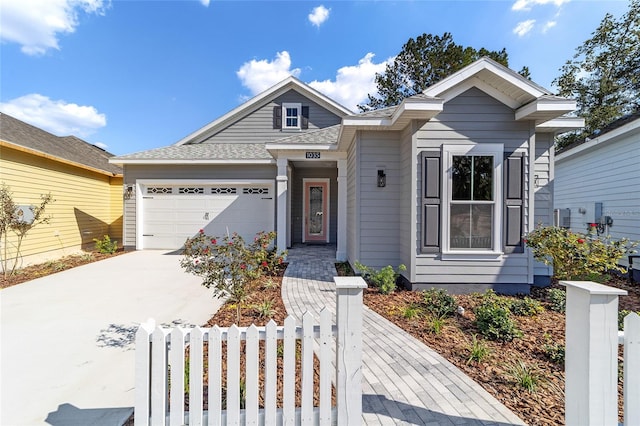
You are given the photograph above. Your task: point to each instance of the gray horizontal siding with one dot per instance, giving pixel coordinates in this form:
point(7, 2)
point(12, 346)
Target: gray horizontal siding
point(380, 209)
point(472, 117)
point(353, 198)
point(258, 125)
point(543, 201)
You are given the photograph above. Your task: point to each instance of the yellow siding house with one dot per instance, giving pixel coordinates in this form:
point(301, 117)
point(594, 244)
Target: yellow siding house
point(87, 189)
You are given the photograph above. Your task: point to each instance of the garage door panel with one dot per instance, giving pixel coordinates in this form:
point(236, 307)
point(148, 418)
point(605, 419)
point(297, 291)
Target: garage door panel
point(170, 218)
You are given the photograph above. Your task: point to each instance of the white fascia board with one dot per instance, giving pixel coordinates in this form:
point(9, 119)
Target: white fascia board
point(434, 106)
point(560, 125)
point(366, 121)
point(547, 106)
point(609, 136)
point(472, 70)
point(192, 162)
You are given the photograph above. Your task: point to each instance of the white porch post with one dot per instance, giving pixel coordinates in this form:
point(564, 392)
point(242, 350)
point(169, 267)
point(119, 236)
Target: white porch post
point(281, 222)
point(341, 251)
point(591, 360)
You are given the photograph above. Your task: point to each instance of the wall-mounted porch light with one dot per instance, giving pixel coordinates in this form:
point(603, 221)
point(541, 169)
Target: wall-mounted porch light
point(382, 179)
point(127, 190)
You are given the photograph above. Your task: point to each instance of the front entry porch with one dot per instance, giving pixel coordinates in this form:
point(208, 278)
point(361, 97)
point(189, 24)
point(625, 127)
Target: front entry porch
point(312, 200)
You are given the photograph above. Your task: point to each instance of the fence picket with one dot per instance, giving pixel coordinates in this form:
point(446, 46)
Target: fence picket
point(143, 373)
point(196, 369)
point(326, 340)
point(252, 386)
point(215, 376)
point(158, 377)
point(289, 373)
point(307, 369)
point(270, 368)
point(631, 369)
point(176, 361)
point(233, 376)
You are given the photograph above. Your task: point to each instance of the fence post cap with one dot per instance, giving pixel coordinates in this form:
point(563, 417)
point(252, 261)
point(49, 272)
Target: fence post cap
point(349, 282)
point(594, 288)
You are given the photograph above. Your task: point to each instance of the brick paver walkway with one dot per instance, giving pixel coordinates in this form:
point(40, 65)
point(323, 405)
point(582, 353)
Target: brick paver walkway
point(404, 381)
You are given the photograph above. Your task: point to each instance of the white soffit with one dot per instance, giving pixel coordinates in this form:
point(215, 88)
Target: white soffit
point(560, 125)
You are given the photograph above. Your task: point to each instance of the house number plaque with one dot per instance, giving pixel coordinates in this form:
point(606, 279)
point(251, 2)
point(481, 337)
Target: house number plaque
point(313, 154)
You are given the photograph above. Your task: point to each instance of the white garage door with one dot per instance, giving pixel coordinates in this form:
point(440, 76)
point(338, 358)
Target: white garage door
point(173, 213)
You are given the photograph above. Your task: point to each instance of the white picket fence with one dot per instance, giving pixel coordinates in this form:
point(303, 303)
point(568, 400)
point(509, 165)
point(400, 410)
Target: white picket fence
point(160, 367)
point(591, 357)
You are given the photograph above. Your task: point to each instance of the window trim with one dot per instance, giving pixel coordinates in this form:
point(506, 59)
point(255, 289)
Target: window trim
point(497, 151)
point(298, 108)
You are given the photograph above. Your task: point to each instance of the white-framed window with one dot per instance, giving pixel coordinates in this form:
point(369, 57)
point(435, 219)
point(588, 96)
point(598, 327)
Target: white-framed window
point(291, 115)
point(472, 202)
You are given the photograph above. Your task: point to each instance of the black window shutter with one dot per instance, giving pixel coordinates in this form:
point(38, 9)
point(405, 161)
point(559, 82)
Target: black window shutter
point(277, 117)
point(431, 201)
point(513, 202)
point(305, 118)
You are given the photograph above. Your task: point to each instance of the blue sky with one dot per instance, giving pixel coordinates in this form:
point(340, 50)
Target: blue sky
point(137, 75)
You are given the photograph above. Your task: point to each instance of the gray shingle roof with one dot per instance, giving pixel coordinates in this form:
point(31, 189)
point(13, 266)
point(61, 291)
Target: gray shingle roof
point(379, 113)
point(203, 151)
point(68, 148)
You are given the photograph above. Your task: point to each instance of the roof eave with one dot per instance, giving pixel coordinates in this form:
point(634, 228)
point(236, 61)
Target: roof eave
point(140, 161)
point(542, 110)
point(605, 138)
point(560, 125)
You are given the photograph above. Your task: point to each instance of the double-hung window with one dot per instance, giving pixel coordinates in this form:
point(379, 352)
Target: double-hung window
point(291, 113)
point(472, 204)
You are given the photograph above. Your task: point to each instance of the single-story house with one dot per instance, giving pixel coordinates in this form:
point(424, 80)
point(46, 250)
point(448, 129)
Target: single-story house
point(87, 189)
point(598, 181)
point(446, 183)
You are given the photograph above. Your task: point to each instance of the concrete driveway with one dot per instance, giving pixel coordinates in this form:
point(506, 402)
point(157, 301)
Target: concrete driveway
point(67, 353)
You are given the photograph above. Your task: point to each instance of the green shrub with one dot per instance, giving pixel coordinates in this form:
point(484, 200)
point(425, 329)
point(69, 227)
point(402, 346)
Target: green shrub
point(384, 279)
point(436, 324)
point(557, 299)
point(105, 245)
point(495, 323)
point(438, 303)
point(526, 307)
point(265, 309)
point(575, 255)
point(555, 352)
point(410, 311)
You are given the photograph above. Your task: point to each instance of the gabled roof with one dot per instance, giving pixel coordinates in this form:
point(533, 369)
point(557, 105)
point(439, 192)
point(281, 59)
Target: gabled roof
point(290, 83)
point(67, 149)
point(530, 100)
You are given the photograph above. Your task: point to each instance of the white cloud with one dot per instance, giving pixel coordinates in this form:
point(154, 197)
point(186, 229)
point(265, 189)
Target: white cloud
point(101, 145)
point(57, 117)
point(526, 5)
point(353, 83)
point(37, 24)
point(319, 15)
point(548, 26)
point(524, 27)
point(259, 75)
point(205, 3)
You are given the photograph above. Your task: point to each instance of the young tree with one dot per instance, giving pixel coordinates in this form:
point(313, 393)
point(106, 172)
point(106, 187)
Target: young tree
point(422, 63)
point(604, 74)
point(11, 221)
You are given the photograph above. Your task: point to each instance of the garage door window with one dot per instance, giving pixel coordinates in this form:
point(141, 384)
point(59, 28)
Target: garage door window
point(224, 190)
point(159, 190)
point(255, 190)
point(191, 190)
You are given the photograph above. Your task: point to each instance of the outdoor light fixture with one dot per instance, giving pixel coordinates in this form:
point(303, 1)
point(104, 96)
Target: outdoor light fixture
point(382, 179)
point(128, 191)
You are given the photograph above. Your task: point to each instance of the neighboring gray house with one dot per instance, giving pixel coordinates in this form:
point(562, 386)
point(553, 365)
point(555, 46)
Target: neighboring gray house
point(598, 181)
point(446, 183)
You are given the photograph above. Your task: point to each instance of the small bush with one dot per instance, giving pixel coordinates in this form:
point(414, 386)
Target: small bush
point(410, 312)
point(478, 350)
point(557, 299)
point(436, 324)
point(105, 245)
point(438, 303)
point(495, 323)
point(384, 279)
point(265, 309)
point(555, 352)
point(526, 307)
point(526, 376)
